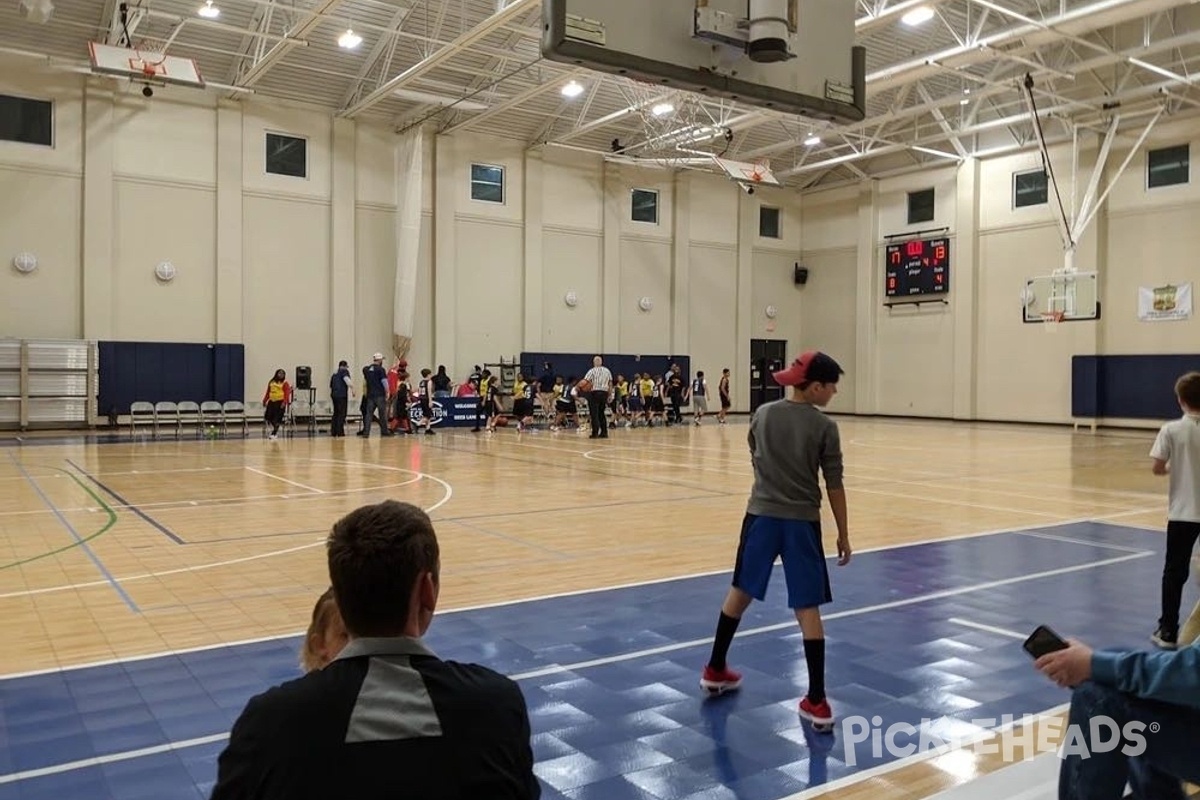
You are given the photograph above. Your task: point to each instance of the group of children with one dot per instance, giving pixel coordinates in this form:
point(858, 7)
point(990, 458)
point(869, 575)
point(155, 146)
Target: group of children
point(643, 398)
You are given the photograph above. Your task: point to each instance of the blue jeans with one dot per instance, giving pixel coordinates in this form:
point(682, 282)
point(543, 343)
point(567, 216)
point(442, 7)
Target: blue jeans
point(1155, 774)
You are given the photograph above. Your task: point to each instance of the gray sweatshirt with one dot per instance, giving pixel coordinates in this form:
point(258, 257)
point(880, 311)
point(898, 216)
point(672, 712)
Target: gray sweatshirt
point(789, 443)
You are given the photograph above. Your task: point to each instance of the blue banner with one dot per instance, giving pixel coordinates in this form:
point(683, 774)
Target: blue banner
point(450, 412)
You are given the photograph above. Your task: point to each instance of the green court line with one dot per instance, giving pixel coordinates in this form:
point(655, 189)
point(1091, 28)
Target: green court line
point(112, 520)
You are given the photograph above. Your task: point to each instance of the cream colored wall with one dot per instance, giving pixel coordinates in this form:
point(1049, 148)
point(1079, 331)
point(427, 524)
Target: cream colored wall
point(974, 358)
point(1152, 239)
point(303, 270)
point(41, 194)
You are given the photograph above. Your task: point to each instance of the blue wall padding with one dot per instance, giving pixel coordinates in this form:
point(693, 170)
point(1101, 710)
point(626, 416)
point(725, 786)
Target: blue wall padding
point(169, 371)
point(1129, 387)
point(567, 364)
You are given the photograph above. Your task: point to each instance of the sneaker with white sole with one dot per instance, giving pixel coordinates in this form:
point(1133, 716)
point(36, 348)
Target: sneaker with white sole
point(819, 714)
point(719, 681)
point(1165, 640)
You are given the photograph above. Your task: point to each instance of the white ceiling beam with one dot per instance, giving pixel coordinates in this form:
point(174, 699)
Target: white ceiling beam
point(609, 119)
point(1101, 14)
point(431, 62)
point(496, 71)
point(1087, 220)
point(1008, 12)
point(998, 87)
point(1148, 91)
point(294, 37)
point(943, 124)
point(382, 45)
point(870, 22)
point(516, 100)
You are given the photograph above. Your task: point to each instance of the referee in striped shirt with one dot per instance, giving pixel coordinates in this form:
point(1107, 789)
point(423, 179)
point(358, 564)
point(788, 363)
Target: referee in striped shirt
point(602, 381)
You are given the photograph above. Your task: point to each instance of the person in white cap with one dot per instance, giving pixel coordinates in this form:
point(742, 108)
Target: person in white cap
point(376, 379)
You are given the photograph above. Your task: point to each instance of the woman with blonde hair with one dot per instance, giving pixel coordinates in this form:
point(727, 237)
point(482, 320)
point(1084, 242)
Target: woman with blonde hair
point(326, 634)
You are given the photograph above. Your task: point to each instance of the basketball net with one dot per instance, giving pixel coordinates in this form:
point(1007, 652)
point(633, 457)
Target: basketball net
point(147, 60)
point(1051, 320)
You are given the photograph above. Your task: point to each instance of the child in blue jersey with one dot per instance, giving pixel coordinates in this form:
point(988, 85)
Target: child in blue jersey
point(791, 441)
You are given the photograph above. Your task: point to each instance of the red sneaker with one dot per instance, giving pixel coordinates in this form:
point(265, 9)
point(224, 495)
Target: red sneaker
point(720, 681)
point(819, 714)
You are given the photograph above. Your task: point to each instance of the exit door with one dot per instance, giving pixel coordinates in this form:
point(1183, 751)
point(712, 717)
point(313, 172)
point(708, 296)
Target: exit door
point(767, 356)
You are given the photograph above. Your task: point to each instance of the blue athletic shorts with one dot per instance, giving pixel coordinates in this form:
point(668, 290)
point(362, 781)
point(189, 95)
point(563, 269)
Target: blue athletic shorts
point(798, 542)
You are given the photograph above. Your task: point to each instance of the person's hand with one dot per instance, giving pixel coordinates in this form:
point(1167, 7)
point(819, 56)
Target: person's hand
point(843, 546)
point(1068, 667)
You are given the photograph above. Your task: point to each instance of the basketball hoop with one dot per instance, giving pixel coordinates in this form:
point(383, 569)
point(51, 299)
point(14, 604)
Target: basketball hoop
point(1051, 321)
point(143, 63)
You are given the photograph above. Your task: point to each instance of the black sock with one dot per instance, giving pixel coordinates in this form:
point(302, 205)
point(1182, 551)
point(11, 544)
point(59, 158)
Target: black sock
point(726, 628)
point(814, 654)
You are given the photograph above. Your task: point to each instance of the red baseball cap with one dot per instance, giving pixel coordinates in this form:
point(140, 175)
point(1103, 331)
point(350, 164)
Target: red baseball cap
point(810, 366)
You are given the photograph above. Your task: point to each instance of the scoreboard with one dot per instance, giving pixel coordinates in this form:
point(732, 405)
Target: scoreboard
point(921, 266)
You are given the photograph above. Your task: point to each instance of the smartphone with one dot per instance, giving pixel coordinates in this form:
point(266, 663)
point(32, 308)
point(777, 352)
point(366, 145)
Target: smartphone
point(1043, 641)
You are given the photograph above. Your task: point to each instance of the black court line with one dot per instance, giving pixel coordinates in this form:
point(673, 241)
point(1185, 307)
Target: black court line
point(163, 529)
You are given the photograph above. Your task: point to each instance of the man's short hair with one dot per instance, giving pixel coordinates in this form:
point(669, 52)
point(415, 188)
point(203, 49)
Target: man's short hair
point(376, 554)
point(1187, 389)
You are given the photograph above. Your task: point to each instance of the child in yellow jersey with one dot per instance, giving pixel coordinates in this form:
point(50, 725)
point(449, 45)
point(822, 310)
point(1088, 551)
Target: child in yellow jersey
point(276, 399)
point(647, 387)
point(620, 401)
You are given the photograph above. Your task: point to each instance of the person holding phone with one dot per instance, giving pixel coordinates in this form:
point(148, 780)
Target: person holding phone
point(1161, 690)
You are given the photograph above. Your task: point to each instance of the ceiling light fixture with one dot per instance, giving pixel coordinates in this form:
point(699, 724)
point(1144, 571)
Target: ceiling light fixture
point(208, 10)
point(918, 16)
point(812, 141)
point(572, 89)
point(349, 40)
point(662, 109)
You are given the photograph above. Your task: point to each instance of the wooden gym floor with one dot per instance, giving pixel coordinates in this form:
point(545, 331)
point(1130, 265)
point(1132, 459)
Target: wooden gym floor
point(118, 550)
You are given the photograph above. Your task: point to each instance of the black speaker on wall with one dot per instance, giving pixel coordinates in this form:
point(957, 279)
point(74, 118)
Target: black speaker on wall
point(801, 276)
point(304, 378)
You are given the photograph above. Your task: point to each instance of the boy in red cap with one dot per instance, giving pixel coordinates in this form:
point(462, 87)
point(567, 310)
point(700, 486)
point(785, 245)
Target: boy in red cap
point(791, 440)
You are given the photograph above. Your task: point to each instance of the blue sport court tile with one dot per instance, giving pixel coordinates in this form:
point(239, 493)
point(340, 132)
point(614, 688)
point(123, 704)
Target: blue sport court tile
point(640, 725)
point(614, 788)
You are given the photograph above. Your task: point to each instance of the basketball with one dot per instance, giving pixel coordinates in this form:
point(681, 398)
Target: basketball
point(583, 386)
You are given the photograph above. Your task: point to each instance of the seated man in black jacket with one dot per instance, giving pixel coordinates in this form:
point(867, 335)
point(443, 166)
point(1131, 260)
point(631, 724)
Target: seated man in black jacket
point(386, 718)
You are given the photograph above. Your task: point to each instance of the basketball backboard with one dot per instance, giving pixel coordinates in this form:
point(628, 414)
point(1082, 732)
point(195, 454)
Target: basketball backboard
point(747, 173)
point(793, 56)
point(1074, 295)
point(144, 66)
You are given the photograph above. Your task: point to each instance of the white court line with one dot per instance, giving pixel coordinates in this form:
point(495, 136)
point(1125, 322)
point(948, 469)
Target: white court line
point(925, 755)
point(1081, 489)
point(96, 761)
point(447, 494)
point(979, 626)
point(505, 603)
point(285, 480)
point(740, 469)
point(554, 669)
point(961, 503)
point(225, 501)
point(1056, 538)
